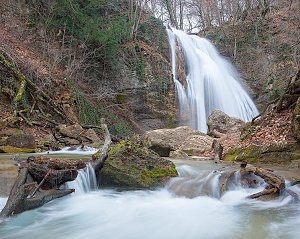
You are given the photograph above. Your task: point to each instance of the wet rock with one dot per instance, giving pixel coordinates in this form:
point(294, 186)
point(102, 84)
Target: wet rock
point(223, 123)
point(64, 170)
point(131, 164)
point(281, 153)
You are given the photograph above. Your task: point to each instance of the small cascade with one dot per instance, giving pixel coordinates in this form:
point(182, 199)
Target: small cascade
point(191, 185)
point(85, 150)
point(211, 82)
point(85, 181)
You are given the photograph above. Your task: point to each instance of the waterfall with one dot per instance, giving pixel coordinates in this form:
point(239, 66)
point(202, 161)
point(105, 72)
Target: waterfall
point(211, 82)
point(85, 180)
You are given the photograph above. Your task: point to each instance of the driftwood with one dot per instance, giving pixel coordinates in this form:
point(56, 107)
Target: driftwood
point(38, 182)
point(276, 184)
point(253, 177)
point(99, 157)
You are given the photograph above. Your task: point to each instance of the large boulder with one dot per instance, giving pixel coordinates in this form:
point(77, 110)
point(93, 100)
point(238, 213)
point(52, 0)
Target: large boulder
point(196, 144)
point(21, 141)
point(73, 131)
point(221, 122)
point(163, 141)
point(131, 164)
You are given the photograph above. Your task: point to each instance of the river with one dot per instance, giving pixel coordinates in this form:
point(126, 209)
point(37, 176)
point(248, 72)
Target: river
point(177, 211)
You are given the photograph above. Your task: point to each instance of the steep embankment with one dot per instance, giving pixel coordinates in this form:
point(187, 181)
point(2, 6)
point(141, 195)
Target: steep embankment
point(266, 51)
point(70, 80)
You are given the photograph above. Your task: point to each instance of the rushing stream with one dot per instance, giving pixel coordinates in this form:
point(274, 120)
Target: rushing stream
point(175, 212)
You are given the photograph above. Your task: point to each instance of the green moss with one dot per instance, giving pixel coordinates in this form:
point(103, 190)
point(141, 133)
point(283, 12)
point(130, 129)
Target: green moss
point(189, 152)
point(273, 153)
point(249, 154)
point(14, 150)
point(120, 98)
point(131, 164)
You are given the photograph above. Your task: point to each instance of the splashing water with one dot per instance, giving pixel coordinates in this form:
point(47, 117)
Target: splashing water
point(85, 181)
point(211, 82)
point(162, 213)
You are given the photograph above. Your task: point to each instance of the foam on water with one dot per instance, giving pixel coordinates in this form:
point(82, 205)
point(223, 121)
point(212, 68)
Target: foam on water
point(161, 214)
point(71, 150)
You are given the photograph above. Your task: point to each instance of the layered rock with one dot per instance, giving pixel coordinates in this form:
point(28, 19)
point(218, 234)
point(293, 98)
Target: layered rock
point(131, 164)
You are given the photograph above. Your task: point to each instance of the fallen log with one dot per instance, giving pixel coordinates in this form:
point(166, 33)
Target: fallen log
point(269, 177)
point(38, 182)
point(293, 183)
point(99, 157)
point(276, 184)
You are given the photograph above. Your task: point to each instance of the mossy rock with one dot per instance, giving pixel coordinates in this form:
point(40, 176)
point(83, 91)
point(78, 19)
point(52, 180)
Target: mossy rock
point(131, 164)
point(14, 150)
point(267, 154)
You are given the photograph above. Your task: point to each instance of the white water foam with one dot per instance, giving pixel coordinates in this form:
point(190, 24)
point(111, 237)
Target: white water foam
point(71, 150)
point(160, 214)
point(212, 82)
point(2, 203)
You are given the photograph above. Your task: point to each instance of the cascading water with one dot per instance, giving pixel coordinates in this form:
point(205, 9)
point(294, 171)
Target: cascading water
point(211, 82)
point(84, 182)
point(190, 206)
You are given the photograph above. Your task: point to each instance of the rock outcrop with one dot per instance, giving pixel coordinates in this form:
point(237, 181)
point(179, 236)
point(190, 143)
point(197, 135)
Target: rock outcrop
point(131, 164)
point(221, 122)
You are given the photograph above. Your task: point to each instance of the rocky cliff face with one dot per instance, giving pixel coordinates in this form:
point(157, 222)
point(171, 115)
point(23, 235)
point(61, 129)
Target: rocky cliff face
point(134, 91)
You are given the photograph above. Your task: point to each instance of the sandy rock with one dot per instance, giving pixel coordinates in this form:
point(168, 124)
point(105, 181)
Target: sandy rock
point(223, 123)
